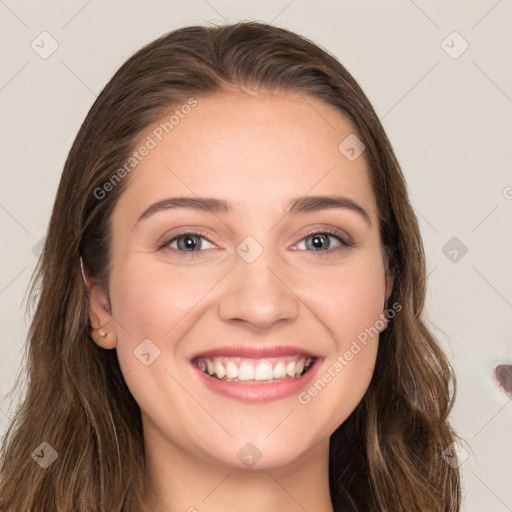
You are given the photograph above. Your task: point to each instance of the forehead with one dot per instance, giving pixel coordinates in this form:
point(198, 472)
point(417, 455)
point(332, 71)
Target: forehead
point(253, 150)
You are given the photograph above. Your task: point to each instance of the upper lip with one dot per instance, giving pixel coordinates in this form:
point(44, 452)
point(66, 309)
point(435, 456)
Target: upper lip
point(256, 351)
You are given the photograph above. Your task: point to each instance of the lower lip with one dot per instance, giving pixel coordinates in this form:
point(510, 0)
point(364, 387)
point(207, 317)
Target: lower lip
point(259, 393)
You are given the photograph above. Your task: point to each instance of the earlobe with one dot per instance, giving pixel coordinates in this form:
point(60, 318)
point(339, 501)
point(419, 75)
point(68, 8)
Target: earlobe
point(104, 338)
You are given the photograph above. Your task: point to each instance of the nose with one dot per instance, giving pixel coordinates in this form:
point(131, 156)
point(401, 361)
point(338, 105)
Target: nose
point(258, 294)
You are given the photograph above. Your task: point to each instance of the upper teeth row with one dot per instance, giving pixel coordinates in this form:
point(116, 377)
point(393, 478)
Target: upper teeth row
point(246, 369)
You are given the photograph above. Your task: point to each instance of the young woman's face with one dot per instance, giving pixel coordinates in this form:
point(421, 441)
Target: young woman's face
point(249, 289)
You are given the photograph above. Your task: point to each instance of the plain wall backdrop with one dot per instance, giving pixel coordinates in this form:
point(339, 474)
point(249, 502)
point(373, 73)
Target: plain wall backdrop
point(439, 76)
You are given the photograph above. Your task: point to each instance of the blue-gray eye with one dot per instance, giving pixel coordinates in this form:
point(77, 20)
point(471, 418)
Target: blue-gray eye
point(186, 242)
point(321, 241)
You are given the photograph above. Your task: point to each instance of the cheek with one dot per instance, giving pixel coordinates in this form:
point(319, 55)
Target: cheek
point(151, 301)
point(352, 299)
point(351, 308)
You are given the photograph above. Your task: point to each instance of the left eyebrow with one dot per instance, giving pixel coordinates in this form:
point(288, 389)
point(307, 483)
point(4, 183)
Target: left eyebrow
point(308, 204)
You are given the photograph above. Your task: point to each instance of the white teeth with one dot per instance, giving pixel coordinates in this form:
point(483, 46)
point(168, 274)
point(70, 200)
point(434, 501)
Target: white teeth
point(231, 370)
point(279, 370)
point(290, 369)
point(219, 369)
point(246, 372)
point(254, 370)
point(263, 371)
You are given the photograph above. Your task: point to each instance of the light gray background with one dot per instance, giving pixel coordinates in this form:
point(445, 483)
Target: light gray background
point(447, 115)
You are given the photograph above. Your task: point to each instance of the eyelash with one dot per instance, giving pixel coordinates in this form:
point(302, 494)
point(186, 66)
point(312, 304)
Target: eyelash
point(346, 244)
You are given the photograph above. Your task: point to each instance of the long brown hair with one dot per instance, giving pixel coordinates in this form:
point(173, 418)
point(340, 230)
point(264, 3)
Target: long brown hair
point(386, 456)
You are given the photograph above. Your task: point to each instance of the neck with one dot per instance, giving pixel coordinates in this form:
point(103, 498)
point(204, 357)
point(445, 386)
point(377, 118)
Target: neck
point(178, 481)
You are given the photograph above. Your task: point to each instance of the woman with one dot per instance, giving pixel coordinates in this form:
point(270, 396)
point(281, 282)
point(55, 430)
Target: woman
point(230, 298)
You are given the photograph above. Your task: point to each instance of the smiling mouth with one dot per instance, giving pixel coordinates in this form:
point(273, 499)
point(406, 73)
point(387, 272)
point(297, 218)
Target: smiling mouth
point(255, 371)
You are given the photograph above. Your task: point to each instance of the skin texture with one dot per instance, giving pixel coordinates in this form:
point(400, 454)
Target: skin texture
point(257, 151)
